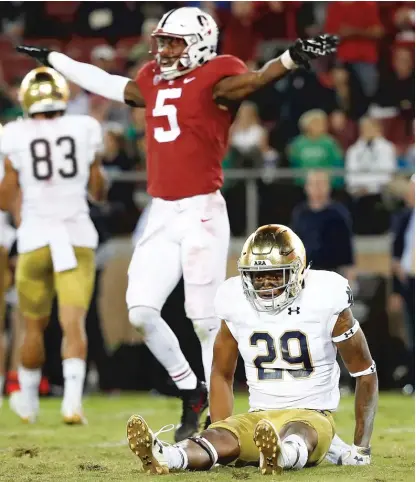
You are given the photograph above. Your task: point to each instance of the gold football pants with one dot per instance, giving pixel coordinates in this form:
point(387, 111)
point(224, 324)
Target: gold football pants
point(243, 425)
point(37, 283)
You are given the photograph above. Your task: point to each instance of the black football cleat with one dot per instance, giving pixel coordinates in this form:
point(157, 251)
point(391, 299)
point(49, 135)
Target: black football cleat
point(194, 402)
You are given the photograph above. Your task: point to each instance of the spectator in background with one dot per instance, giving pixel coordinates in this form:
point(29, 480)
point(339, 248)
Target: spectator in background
point(346, 93)
point(110, 20)
point(325, 227)
point(370, 164)
point(396, 93)
point(120, 194)
point(371, 161)
point(250, 139)
point(343, 129)
point(104, 110)
point(359, 26)
point(104, 56)
point(238, 33)
point(79, 100)
point(141, 52)
point(14, 109)
point(315, 148)
point(404, 271)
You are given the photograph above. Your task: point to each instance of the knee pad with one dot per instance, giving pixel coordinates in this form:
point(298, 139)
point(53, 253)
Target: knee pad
point(143, 318)
point(206, 328)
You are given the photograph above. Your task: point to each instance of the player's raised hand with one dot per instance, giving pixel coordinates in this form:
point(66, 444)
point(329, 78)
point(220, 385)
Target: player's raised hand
point(305, 50)
point(356, 456)
point(38, 53)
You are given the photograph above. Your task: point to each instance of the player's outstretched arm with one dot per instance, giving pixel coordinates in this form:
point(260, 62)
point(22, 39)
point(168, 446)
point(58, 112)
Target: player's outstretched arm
point(221, 398)
point(357, 358)
point(9, 187)
point(300, 54)
point(87, 76)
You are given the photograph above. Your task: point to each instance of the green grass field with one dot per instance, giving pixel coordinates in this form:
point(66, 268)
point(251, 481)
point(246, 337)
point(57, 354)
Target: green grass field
point(50, 451)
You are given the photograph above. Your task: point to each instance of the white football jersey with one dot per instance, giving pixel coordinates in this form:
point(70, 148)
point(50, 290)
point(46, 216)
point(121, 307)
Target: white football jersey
point(53, 159)
point(289, 358)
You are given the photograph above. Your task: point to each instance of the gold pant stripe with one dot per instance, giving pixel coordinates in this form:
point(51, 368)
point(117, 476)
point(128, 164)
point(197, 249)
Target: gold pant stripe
point(37, 282)
point(243, 425)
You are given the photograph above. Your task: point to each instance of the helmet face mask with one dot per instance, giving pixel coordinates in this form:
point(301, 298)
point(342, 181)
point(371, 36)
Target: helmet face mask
point(199, 34)
point(272, 267)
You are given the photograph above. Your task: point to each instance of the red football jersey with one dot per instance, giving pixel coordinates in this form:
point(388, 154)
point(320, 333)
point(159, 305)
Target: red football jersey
point(186, 132)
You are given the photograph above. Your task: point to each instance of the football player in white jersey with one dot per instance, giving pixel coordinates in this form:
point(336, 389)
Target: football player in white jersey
point(54, 161)
point(287, 322)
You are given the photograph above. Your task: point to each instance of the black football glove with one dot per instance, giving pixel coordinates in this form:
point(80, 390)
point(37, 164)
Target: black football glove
point(305, 50)
point(38, 53)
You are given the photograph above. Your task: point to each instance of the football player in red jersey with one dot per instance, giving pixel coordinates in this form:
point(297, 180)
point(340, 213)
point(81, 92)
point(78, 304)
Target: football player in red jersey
point(190, 95)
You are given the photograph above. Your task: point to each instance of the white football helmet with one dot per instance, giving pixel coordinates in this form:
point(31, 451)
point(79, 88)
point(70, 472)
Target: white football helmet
point(200, 33)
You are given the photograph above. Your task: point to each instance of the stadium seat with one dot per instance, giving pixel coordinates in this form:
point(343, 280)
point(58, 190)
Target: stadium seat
point(64, 11)
point(124, 45)
point(17, 66)
point(80, 48)
point(50, 43)
point(6, 46)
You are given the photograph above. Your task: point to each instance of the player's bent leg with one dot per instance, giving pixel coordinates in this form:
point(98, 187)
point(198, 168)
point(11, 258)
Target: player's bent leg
point(74, 289)
point(291, 439)
point(198, 453)
point(35, 289)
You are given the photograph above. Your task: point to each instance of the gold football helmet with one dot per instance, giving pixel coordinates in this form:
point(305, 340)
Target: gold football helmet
point(43, 90)
point(272, 266)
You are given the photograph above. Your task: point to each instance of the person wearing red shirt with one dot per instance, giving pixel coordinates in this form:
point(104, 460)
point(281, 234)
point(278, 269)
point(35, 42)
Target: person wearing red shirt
point(190, 95)
point(359, 27)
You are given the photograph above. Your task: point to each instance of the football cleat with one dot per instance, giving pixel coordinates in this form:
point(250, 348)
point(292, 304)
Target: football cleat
point(194, 402)
point(145, 444)
point(74, 419)
point(26, 410)
point(72, 414)
point(269, 444)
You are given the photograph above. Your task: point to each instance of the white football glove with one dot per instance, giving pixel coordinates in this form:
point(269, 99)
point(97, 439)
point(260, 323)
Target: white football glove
point(356, 456)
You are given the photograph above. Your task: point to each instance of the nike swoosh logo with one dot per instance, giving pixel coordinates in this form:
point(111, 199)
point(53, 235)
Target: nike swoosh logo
point(205, 220)
point(186, 81)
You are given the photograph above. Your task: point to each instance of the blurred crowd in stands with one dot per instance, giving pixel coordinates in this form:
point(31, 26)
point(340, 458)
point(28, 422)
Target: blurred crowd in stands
point(355, 111)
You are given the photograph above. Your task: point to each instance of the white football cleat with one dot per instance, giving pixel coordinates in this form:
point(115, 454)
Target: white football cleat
point(145, 444)
point(269, 444)
point(26, 409)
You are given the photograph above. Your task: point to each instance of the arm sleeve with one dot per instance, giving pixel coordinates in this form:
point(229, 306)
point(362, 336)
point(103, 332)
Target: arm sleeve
point(89, 77)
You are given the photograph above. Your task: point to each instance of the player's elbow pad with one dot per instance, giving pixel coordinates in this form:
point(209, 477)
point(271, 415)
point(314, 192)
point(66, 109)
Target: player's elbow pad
point(89, 77)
